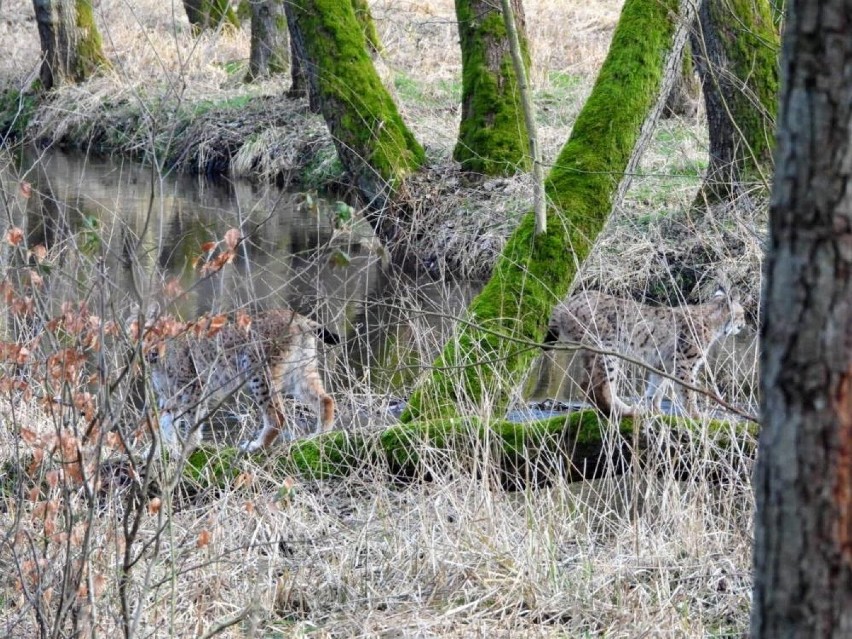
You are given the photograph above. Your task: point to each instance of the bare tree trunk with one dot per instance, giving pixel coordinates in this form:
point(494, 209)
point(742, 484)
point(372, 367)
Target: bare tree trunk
point(683, 98)
point(269, 40)
point(70, 41)
point(492, 134)
point(803, 483)
point(735, 48)
point(298, 80)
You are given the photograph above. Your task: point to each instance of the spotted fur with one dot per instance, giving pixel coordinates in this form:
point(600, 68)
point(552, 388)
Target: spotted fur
point(213, 357)
point(674, 340)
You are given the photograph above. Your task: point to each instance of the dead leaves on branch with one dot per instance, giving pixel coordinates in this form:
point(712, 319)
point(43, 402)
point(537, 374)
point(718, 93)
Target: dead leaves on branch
point(215, 255)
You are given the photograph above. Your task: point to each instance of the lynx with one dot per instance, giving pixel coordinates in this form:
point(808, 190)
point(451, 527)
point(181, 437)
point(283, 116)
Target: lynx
point(275, 351)
point(672, 340)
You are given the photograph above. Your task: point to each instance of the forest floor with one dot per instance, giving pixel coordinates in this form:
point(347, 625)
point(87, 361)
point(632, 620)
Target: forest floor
point(645, 553)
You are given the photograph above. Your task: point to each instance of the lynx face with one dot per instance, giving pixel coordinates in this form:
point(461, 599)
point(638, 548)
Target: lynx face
point(673, 340)
point(270, 353)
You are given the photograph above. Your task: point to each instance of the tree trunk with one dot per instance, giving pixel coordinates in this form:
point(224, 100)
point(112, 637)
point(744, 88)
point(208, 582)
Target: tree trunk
point(492, 135)
point(209, 14)
point(484, 363)
point(736, 53)
point(70, 41)
point(374, 145)
point(269, 40)
point(803, 482)
point(368, 26)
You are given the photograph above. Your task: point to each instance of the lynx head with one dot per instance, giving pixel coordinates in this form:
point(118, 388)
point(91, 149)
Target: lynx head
point(730, 311)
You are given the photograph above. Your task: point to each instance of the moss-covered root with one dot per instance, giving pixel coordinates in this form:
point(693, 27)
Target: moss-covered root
point(492, 135)
point(494, 348)
point(566, 448)
point(373, 143)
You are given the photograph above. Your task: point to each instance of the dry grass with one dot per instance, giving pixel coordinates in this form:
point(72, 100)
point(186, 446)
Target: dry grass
point(647, 553)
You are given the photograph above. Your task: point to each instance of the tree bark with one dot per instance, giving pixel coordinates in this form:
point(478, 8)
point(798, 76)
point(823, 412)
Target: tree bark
point(269, 40)
point(70, 41)
point(483, 364)
point(374, 145)
point(492, 135)
point(735, 47)
point(803, 482)
point(209, 14)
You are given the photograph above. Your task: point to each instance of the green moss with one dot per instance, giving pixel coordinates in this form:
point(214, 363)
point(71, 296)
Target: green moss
point(374, 144)
point(368, 26)
point(212, 467)
point(16, 110)
point(492, 135)
point(506, 321)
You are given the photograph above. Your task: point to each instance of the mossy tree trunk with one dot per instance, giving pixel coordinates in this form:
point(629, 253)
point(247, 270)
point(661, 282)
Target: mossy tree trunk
point(70, 41)
point(368, 25)
point(492, 135)
point(495, 344)
point(374, 145)
point(803, 477)
point(736, 49)
point(269, 40)
point(209, 14)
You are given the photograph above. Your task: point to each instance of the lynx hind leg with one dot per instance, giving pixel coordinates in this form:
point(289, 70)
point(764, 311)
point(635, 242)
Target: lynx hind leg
point(602, 372)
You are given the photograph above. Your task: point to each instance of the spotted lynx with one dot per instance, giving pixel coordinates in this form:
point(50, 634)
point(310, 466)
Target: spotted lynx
point(272, 352)
point(672, 340)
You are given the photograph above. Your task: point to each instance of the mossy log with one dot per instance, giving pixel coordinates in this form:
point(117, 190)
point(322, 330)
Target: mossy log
point(496, 343)
point(492, 134)
point(368, 25)
point(570, 448)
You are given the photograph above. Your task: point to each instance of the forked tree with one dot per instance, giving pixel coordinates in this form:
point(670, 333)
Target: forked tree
point(492, 349)
point(70, 41)
point(803, 482)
